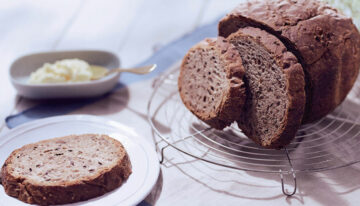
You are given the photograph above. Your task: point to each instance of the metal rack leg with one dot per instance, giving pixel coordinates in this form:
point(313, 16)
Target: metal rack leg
point(285, 191)
point(162, 154)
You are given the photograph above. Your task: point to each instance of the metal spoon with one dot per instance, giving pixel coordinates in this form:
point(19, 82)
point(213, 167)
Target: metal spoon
point(101, 72)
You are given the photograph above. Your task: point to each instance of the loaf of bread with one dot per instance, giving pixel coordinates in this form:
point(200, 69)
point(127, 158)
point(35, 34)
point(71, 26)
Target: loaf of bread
point(301, 58)
point(210, 82)
point(65, 169)
point(275, 88)
point(326, 43)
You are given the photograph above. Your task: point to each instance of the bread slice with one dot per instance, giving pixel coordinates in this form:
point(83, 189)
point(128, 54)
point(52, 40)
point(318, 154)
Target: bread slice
point(326, 43)
point(65, 169)
point(275, 88)
point(210, 82)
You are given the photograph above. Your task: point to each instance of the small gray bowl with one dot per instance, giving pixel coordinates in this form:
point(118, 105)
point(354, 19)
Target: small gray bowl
point(22, 67)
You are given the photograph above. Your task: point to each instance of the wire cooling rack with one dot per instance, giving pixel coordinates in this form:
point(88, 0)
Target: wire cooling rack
point(329, 143)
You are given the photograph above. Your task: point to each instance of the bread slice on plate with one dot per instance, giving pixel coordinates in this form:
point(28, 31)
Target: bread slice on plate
point(326, 43)
point(66, 169)
point(275, 88)
point(210, 82)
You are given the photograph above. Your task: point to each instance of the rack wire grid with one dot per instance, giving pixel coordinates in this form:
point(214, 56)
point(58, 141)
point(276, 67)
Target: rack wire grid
point(330, 143)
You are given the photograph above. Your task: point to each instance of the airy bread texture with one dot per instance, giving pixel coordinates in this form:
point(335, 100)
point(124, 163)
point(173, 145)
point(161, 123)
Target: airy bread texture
point(66, 169)
point(275, 81)
point(210, 82)
point(326, 43)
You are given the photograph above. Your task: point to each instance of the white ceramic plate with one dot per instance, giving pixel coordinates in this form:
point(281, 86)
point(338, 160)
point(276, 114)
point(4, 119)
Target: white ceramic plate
point(145, 164)
point(22, 67)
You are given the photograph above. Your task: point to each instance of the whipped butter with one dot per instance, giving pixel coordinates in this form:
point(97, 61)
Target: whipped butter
point(67, 70)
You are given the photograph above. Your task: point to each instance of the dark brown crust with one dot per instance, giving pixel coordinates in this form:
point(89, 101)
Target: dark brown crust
point(94, 186)
point(326, 43)
point(233, 99)
point(295, 86)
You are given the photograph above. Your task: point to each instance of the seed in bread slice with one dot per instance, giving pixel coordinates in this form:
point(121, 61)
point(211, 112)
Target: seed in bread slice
point(275, 85)
point(210, 82)
point(66, 169)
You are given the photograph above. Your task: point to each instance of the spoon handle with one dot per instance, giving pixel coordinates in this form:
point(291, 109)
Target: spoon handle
point(136, 70)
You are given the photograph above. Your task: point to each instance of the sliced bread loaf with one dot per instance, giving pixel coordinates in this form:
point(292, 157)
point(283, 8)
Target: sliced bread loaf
point(326, 43)
point(275, 88)
point(66, 169)
point(210, 82)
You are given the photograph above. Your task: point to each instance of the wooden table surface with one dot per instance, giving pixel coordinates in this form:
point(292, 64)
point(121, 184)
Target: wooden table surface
point(135, 29)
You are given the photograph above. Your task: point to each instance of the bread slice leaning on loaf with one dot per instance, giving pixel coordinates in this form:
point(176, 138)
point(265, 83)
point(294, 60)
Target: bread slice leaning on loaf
point(66, 169)
point(210, 82)
point(275, 88)
point(326, 43)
